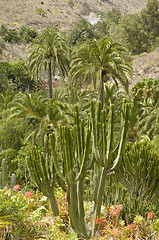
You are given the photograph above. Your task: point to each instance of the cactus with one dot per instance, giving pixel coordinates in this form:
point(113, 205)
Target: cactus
point(42, 175)
point(73, 153)
point(0, 180)
point(80, 156)
point(4, 173)
point(4, 177)
point(106, 153)
point(139, 171)
point(13, 180)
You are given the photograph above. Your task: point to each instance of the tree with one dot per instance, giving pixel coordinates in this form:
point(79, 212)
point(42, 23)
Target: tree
point(49, 52)
point(136, 38)
point(104, 60)
point(81, 32)
point(15, 76)
point(150, 19)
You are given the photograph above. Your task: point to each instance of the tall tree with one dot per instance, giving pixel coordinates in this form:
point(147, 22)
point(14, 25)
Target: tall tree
point(49, 52)
point(103, 59)
point(150, 19)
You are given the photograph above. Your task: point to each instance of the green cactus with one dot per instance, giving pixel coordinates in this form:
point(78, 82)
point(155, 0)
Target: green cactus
point(0, 180)
point(139, 171)
point(4, 173)
point(73, 153)
point(107, 154)
point(42, 174)
point(13, 180)
point(86, 148)
point(4, 177)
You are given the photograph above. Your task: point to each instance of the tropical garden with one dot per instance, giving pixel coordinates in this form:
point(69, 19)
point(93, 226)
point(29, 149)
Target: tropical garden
point(80, 160)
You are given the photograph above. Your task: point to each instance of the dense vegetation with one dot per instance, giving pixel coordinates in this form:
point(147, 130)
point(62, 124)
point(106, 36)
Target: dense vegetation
point(87, 150)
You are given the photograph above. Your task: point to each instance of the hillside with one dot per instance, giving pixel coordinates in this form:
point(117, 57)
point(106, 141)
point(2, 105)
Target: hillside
point(64, 14)
point(61, 13)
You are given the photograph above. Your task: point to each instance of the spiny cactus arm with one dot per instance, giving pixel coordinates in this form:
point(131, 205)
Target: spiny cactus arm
point(34, 174)
point(0, 180)
point(54, 156)
point(68, 154)
point(124, 120)
point(41, 167)
point(73, 206)
point(53, 202)
point(94, 127)
point(4, 173)
point(79, 140)
point(99, 108)
point(13, 180)
point(100, 192)
point(86, 155)
point(81, 214)
point(110, 133)
point(34, 162)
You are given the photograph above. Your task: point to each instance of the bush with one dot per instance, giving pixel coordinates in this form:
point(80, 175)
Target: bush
point(71, 3)
point(28, 34)
point(12, 36)
point(41, 12)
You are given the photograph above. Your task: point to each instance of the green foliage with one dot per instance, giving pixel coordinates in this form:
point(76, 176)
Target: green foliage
point(23, 214)
point(4, 179)
point(102, 27)
point(41, 12)
point(136, 39)
point(25, 34)
point(3, 29)
point(80, 149)
point(16, 76)
point(150, 20)
point(4, 174)
point(28, 34)
point(100, 60)
point(139, 171)
point(149, 123)
point(146, 94)
point(12, 36)
point(139, 33)
point(49, 53)
point(83, 31)
point(71, 3)
point(113, 15)
point(147, 91)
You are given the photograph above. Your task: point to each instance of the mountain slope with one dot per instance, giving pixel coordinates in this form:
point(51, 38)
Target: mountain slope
point(61, 13)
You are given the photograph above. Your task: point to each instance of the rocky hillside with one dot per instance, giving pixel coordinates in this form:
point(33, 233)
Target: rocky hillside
point(146, 65)
point(64, 14)
point(61, 13)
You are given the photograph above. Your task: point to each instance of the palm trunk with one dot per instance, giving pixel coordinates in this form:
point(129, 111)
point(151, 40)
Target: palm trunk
point(50, 80)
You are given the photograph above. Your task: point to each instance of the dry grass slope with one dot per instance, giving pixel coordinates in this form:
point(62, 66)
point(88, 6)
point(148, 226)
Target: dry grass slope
point(62, 13)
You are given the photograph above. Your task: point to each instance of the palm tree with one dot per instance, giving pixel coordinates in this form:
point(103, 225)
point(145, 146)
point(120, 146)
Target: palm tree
point(103, 59)
point(49, 52)
point(30, 107)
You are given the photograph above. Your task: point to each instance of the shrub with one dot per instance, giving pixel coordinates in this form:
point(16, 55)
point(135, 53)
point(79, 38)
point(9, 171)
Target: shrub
point(28, 34)
point(41, 12)
point(12, 36)
point(71, 3)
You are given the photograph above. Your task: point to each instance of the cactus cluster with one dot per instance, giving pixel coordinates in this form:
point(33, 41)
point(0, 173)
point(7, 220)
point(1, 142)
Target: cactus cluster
point(139, 171)
point(4, 176)
point(74, 152)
